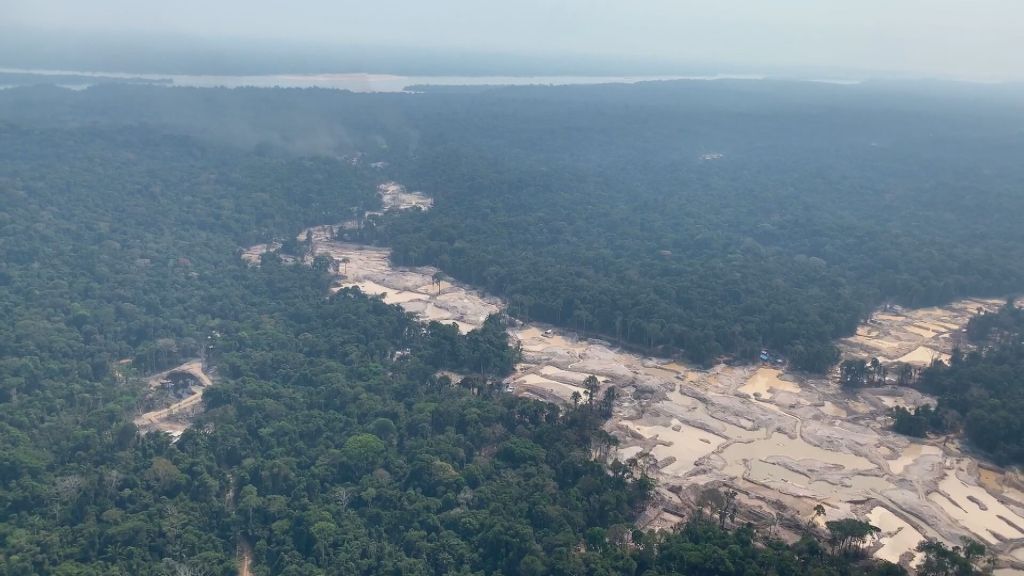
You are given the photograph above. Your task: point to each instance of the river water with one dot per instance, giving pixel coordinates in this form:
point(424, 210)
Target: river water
point(355, 82)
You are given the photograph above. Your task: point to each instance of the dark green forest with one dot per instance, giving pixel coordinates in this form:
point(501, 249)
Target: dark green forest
point(328, 445)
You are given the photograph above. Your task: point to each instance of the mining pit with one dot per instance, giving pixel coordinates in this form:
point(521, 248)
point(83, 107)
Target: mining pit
point(785, 441)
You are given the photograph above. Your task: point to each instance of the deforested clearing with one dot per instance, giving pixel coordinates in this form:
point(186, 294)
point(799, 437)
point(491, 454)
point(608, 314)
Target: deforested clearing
point(185, 396)
point(785, 441)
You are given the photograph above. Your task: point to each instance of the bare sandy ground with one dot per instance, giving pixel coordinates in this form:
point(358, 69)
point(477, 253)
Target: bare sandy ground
point(252, 254)
point(394, 196)
point(244, 554)
point(915, 336)
point(177, 417)
point(412, 288)
point(786, 442)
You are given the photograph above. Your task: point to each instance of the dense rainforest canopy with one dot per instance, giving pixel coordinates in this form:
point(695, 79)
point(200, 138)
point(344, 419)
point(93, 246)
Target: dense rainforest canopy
point(711, 218)
point(703, 218)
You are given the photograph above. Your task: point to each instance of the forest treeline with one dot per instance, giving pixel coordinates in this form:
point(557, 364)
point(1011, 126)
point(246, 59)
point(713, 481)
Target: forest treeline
point(328, 443)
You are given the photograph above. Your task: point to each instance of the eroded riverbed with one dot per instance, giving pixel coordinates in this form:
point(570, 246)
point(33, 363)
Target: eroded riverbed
point(786, 442)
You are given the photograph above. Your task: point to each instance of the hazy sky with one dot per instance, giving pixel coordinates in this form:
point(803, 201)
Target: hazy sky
point(975, 39)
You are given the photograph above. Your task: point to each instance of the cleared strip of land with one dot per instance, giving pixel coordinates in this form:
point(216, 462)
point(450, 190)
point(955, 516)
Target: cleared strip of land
point(786, 442)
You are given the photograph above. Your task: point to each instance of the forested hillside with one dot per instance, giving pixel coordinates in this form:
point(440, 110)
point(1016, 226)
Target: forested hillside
point(119, 244)
point(720, 219)
point(328, 445)
point(708, 218)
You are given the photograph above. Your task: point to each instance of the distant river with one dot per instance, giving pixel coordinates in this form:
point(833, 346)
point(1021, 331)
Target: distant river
point(355, 82)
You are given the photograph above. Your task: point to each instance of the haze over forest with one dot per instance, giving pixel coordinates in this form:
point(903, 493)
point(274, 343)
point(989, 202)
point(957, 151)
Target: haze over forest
point(952, 39)
point(494, 288)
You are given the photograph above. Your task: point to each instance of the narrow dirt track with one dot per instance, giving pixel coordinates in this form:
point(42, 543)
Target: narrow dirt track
point(244, 557)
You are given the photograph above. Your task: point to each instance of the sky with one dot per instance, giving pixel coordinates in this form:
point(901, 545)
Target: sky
point(963, 39)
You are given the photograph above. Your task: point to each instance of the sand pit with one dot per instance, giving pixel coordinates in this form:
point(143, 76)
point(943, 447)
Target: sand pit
point(874, 343)
point(370, 270)
point(910, 455)
point(390, 296)
point(923, 332)
point(418, 290)
point(810, 457)
point(764, 381)
point(991, 480)
point(536, 339)
point(804, 450)
point(784, 440)
point(660, 373)
point(393, 196)
point(1006, 484)
point(566, 376)
point(537, 383)
point(913, 336)
point(922, 356)
point(252, 254)
point(977, 510)
point(897, 537)
point(908, 398)
point(624, 454)
point(677, 367)
point(678, 446)
point(833, 409)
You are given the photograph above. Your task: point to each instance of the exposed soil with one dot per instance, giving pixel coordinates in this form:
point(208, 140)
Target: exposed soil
point(914, 336)
point(413, 288)
point(186, 403)
point(244, 557)
point(394, 196)
point(786, 442)
point(897, 538)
